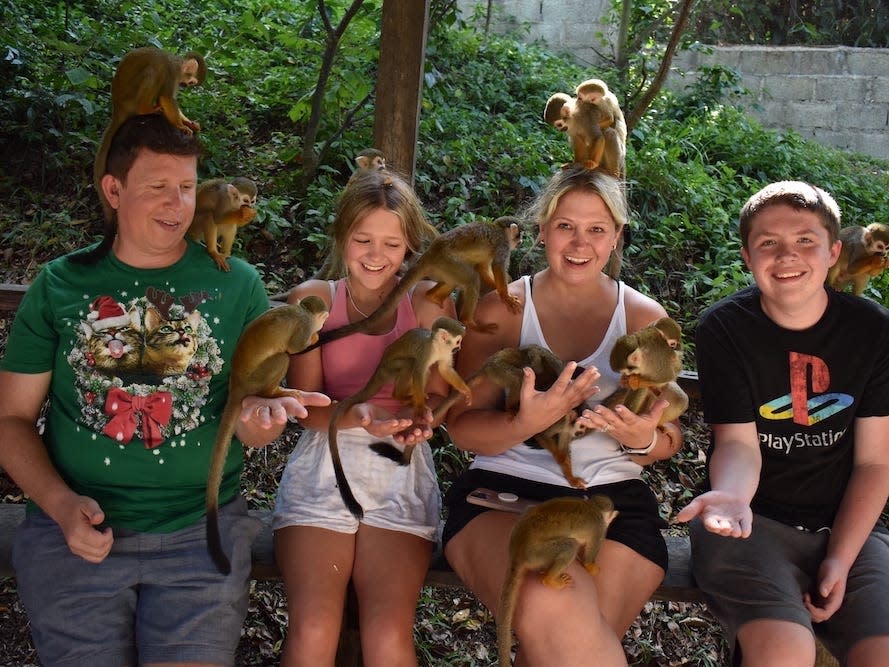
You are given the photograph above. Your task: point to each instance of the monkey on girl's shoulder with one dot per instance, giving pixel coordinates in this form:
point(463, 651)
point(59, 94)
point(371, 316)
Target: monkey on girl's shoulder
point(460, 258)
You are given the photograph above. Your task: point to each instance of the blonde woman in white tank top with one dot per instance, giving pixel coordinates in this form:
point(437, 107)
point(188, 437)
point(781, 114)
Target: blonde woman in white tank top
point(578, 310)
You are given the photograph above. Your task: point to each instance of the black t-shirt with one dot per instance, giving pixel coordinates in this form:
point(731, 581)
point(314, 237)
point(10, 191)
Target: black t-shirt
point(803, 389)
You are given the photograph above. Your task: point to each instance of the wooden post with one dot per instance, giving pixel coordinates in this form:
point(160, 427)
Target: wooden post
point(400, 82)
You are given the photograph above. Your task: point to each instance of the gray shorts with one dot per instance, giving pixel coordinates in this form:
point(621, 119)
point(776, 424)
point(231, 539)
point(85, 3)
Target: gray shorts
point(157, 597)
point(765, 576)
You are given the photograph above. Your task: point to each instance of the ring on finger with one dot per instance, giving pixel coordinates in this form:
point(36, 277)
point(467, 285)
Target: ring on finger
point(605, 428)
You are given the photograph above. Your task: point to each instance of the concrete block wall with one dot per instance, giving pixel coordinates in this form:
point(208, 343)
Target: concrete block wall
point(565, 25)
point(837, 96)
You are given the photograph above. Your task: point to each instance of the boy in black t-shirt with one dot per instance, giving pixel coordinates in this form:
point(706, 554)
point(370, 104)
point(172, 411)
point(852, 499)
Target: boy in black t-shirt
point(795, 384)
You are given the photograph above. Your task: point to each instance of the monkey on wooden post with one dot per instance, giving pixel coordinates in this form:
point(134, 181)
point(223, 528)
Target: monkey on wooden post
point(461, 258)
point(221, 208)
point(259, 364)
point(545, 540)
point(863, 256)
point(649, 362)
point(595, 125)
point(406, 364)
point(146, 81)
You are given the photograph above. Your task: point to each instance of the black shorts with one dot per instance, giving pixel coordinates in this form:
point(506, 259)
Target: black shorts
point(638, 525)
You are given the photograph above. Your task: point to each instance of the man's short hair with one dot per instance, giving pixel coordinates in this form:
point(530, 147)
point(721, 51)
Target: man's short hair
point(152, 132)
point(798, 195)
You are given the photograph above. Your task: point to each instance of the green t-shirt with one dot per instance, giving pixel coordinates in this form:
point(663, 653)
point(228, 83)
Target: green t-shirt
point(140, 366)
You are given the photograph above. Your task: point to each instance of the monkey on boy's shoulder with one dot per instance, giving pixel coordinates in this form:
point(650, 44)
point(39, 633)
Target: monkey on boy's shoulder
point(863, 256)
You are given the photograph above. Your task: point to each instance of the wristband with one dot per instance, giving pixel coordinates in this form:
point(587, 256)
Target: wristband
point(644, 450)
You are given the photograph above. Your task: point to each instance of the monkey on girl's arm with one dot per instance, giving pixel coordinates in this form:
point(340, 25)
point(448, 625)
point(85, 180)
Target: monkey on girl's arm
point(649, 362)
point(406, 364)
point(259, 364)
point(505, 368)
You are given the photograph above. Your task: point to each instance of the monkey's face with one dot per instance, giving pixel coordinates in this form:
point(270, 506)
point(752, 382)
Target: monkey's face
point(189, 73)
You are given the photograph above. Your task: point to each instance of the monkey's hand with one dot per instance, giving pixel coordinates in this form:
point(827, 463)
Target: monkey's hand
point(79, 528)
point(721, 512)
point(246, 215)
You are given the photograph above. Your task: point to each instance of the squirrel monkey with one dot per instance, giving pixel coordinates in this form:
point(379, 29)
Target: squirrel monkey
point(504, 368)
point(406, 364)
point(258, 365)
point(371, 158)
point(649, 362)
point(221, 207)
point(147, 81)
point(460, 258)
point(546, 539)
point(595, 125)
point(863, 256)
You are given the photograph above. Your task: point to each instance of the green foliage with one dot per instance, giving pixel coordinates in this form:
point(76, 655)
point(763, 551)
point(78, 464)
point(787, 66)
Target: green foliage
point(483, 148)
point(812, 22)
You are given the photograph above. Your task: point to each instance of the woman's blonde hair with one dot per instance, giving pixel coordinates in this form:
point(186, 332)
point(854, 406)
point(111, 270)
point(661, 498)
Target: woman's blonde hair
point(607, 187)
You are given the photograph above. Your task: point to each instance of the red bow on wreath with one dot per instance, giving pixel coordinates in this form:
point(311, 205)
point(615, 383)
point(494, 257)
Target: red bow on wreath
point(154, 409)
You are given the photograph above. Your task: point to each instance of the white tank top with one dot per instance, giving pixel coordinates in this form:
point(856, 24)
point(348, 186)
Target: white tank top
point(596, 457)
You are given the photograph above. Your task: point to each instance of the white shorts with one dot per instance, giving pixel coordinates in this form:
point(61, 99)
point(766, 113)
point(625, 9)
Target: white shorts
point(395, 497)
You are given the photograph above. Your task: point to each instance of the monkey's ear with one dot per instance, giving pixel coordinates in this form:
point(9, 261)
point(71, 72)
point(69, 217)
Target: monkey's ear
point(111, 188)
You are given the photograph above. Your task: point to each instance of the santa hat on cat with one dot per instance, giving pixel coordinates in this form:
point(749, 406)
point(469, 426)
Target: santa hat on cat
point(105, 312)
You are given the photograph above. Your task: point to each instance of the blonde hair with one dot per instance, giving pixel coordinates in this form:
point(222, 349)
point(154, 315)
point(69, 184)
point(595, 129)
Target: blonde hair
point(367, 191)
point(607, 187)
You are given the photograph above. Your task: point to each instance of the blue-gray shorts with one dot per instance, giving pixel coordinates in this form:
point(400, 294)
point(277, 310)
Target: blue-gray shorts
point(765, 576)
point(157, 597)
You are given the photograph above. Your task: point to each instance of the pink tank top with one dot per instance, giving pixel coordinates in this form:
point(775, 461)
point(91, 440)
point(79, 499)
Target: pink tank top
point(349, 362)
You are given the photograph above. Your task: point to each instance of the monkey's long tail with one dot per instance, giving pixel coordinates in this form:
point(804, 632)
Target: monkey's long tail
point(214, 480)
point(505, 611)
point(341, 481)
point(390, 303)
